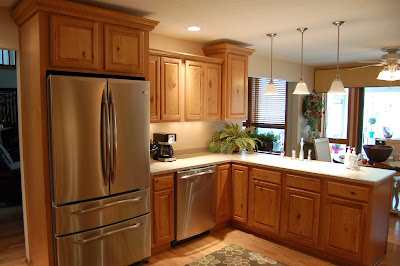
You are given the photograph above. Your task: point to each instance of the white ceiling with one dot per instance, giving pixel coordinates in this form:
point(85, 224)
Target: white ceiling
point(370, 25)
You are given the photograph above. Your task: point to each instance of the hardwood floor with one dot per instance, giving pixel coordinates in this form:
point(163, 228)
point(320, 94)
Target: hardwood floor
point(12, 251)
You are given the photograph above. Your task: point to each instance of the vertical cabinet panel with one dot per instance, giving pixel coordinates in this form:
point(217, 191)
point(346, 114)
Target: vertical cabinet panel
point(223, 193)
point(194, 90)
point(301, 216)
point(236, 92)
point(155, 90)
point(170, 89)
point(344, 228)
point(74, 42)
point(212, 92)
point(240, 178)
point(264, 205)
point(124, 49)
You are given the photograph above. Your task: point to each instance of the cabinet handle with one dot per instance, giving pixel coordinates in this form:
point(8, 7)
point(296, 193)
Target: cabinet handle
point(84, 54)
point(352, 193)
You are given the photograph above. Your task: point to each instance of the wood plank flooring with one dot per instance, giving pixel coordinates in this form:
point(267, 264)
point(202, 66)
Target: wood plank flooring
point(12, 251)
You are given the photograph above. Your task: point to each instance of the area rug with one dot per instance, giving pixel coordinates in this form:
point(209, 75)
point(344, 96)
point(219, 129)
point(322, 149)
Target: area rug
point(234, 255)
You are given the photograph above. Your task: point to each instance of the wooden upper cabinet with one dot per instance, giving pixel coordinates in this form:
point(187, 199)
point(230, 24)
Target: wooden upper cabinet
point(301, 216)
point(194, 90)
point(344, 228)
point(170, 89)
point(224, 184)
point(234, 79)
point(212, 92)
point(74, 42)
point(123, 49)
point(155, 89)
point(240, 182)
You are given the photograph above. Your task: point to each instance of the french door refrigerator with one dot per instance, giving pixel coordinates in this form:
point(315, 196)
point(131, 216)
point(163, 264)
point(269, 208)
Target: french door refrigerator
point(100, 169)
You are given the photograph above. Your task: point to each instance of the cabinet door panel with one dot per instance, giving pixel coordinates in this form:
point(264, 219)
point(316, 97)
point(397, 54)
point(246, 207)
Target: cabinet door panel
point(155, 90)
point(264, 205)
point(344, 228)
point(194, 90)
point(212, 92)
point(301, 216)
point(123, 49)
point(237, 87)
point(170, 89)
point(74, 42)
point(240, 186)
point(163, 216)
point(224, 193)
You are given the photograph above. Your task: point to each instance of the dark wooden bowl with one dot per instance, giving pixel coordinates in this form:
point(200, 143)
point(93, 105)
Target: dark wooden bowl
point(378, 153)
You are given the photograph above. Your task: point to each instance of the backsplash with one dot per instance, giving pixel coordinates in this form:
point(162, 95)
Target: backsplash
point(191, 136)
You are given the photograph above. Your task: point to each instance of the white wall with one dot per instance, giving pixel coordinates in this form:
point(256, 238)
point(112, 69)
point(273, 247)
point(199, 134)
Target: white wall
point(9, 31)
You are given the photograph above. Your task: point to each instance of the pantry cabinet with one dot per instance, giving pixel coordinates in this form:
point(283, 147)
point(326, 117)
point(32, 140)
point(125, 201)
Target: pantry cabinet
point(224, 186)
point(240, 179)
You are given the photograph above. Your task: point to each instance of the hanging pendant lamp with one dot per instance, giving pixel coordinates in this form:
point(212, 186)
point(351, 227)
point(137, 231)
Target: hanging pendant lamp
point(301, 87)
point(271, 89)
point(337, 85)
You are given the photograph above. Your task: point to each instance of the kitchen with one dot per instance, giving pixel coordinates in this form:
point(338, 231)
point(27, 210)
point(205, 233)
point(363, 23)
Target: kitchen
point(206, 129)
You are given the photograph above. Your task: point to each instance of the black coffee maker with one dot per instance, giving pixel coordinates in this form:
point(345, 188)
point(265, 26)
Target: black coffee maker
point(165, 152)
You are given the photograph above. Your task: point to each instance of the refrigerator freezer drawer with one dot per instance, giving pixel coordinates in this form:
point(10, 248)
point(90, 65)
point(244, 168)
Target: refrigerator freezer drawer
point(92, 214)
point(119, 244)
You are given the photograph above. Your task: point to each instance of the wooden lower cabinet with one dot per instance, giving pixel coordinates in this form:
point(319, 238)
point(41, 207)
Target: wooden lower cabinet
point(163, 210)
point(224, 184)
point(240, 179)
point(264, 205)
point(344, 228)
point(300, 217)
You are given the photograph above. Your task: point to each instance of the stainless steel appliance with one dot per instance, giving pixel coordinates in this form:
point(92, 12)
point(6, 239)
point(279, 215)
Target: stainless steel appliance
point(100, 169)
point(165, 151)
point(196, 191)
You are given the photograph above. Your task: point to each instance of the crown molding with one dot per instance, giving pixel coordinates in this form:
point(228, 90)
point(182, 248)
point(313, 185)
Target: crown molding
point(29, 8)
point(185, 56)
point(227, 48)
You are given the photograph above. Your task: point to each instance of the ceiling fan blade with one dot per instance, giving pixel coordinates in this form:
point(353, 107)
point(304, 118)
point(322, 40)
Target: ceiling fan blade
point(365, 66)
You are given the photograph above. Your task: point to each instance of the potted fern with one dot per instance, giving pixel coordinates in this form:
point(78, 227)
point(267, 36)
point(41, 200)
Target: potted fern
point(233, 138)
point(266, 140)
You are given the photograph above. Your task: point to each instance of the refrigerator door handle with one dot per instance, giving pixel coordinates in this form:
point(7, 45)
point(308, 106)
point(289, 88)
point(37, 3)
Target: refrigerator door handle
point(83, 241)
point(106, 205)
point(105, 138)
point(113, 118)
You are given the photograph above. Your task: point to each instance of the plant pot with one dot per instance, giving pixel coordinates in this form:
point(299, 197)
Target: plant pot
point(269, 146)
point(371, 134)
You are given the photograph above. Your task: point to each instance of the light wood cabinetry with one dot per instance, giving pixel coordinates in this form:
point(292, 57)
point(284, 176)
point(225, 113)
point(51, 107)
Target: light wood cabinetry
point(155, 88)
point(163, 210)
point(234, 79)
point(194, 90)
point(74, 42)
point(224, 186)
point(124, 49)
point(212, 92)
point(240, 181)
point(170, 89)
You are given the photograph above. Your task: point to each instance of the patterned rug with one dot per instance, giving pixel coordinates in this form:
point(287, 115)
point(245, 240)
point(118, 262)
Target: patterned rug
point(233, 255)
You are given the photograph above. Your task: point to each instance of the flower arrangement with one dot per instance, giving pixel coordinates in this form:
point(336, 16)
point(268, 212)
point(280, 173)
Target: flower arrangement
point(336, 148)
point(313, 106)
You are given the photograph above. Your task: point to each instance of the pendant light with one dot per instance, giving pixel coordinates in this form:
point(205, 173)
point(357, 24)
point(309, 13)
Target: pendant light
point(301, 87)
point(271, 89)
point(337, 85)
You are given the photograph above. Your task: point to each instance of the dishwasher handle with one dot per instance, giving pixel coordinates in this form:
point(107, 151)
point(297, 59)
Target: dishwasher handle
point(197, 174)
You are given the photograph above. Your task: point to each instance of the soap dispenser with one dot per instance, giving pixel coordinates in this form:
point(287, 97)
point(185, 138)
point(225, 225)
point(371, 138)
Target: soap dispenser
point(347, 157)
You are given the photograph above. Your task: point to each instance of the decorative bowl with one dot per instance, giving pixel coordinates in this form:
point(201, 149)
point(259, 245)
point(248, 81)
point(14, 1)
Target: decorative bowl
point(378, 153)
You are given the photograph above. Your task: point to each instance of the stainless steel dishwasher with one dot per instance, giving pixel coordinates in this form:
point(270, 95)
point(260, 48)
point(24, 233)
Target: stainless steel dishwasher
point(196, 191)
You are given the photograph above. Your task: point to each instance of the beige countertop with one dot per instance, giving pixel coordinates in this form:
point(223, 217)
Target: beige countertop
point(366, 175)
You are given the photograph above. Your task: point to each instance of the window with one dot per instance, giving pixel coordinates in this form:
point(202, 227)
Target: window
point(268, 112)
point(7, 58)
point(336, 115)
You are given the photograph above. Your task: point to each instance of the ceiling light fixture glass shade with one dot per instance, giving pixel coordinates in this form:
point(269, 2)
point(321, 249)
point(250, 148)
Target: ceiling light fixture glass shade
point(337, 85)
point(271, 89)
point(390, 73)
point(301, 87)
point(193, 28)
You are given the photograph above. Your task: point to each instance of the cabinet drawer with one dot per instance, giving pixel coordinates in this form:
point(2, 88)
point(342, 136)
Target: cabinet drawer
point(302, 182)
point(348, 191)
point(163, 182)
point(266, 175)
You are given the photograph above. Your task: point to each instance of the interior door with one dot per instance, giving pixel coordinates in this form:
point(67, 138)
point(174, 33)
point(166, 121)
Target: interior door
point(129, 102)
point(75, 115)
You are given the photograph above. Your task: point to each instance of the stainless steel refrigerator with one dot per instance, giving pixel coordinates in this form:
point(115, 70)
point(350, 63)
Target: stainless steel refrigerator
point(100, 169)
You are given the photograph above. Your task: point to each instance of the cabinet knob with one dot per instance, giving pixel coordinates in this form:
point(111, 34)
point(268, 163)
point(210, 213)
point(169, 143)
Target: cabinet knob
point(117, 48)
point(84, 54)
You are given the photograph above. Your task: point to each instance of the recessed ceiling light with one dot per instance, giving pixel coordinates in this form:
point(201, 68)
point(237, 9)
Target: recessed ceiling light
point(193, 28)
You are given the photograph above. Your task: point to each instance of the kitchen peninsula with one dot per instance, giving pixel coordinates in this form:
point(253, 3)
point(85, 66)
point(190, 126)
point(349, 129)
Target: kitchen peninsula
point(319, 207)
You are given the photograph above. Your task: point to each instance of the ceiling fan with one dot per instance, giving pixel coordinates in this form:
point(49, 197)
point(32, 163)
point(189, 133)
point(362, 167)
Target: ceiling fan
point(391, 63)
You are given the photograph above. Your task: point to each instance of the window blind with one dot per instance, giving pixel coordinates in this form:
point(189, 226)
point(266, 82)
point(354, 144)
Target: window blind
point(7, 57)
point(267, 109)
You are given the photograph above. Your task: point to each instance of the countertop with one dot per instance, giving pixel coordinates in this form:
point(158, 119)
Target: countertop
point(366, 175)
